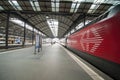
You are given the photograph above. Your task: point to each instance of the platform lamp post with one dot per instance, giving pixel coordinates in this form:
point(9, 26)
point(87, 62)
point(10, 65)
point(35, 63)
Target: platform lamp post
point(7, 30)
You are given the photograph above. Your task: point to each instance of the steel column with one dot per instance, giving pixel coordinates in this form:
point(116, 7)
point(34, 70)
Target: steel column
point(24, 34)
point(84, 19)
point(7, 30)
point(32, 36)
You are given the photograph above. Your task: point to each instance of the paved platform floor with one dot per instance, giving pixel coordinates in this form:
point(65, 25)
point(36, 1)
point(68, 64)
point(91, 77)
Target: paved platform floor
point(52, 63)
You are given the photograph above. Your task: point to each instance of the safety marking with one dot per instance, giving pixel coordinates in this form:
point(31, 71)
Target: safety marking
point(87, 69)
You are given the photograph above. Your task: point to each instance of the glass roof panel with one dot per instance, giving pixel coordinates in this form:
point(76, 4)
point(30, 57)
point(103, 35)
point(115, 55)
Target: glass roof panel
point(53, 25)
point(71, 10)
point(57, 9)
point(35, 5)
point(95, 5)
point(80, 25)
point(32, 5)
point(1, 8)
point(35, 30)
point(53, 9)
point(75, 5)
point(38, 8)
point(112, 2)
point(99, 1)
point(20, 23)
point(55, 5)
point(93, 8)
point(15, 4)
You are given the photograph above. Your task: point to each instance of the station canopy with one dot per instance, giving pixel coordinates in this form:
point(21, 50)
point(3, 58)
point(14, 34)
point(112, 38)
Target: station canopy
point(54, 18)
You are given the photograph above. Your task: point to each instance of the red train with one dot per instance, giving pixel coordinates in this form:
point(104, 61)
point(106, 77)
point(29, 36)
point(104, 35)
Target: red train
point(99, 42)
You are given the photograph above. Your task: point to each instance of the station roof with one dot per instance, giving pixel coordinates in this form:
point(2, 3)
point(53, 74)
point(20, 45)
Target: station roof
point(54, 18)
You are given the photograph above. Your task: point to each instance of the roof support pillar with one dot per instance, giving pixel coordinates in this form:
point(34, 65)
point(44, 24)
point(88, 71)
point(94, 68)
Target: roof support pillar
point(84, 19)
point(33, 36)
point(24, 34)
point(7, 30)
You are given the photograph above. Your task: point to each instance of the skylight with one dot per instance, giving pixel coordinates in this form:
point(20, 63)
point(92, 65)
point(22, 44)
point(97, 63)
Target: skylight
point(114, 2)
point(80, 25)
point(1, 8)
point(35, 5)
point(93, 8)
point(55, 5)
point(75, 5)
point(87, 21)
point(95, 5)
point(73, 30)
point(35, 30)
point(53, 25)
point(15, 4)
point(21, 23)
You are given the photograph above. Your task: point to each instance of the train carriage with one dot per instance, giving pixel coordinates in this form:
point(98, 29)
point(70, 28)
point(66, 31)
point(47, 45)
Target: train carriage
point(99, 42)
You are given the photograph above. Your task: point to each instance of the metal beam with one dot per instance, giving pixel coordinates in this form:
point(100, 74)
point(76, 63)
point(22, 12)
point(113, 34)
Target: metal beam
point(25, 20)
point(50, 13)
point(75, 23)
point(45, 21)
point(49, 28)
point(43, 13)
point(47, 15)
point(84, 19)
point(61, 28)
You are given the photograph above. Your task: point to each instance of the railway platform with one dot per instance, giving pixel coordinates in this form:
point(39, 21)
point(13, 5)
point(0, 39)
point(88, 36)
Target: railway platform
point(54, 62)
